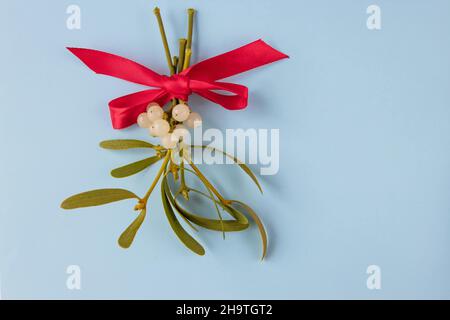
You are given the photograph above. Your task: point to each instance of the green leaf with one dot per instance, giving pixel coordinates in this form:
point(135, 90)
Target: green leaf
point(134, 167)
point(185, 237)
point(262, 230)
point(232, 211)
point(240, 218)
point(250, 173)
point(241, 222)
point(171, 199)
point(96, 198)
point(243, 166)
point(123, 144)
point(127, 237)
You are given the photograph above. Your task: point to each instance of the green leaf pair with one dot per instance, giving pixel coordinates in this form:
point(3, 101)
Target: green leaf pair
point(104, 196)
point(240, 223)
point(135, 167)
point(169, 199)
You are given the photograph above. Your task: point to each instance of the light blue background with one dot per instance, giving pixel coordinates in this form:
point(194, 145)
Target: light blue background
point(364, 177)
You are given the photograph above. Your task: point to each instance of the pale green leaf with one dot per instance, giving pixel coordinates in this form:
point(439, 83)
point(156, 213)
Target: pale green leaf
point(243, 166)
point(185, 237)
point(262, 230)
point(123, 144)
point(241, 222)
point(127, 237)
point(134, 167)
point(96, 198)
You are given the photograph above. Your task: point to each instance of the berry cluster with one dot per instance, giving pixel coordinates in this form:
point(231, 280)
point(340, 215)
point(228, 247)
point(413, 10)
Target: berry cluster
point(169, 126)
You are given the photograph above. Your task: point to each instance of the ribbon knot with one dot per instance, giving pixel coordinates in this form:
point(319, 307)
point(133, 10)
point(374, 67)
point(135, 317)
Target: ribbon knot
point(201, 78)
point(177, 86)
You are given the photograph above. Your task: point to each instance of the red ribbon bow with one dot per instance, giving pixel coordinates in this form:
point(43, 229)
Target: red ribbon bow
point(200, 78)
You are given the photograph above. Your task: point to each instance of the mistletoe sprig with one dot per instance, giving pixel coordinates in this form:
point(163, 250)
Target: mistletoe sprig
point(165, 113)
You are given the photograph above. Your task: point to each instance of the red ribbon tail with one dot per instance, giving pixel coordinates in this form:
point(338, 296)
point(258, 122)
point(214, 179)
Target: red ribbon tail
point(116, 66)
point(245, 58)
point(204, 75)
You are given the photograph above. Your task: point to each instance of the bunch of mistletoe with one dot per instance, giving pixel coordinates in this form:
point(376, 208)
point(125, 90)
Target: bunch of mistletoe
point(165, 113)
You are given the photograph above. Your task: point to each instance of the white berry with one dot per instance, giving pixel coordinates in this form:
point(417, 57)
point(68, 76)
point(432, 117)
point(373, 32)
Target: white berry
point(168, 141)
point(154, 111)
point(180, 112)
point(143, 121)
point(151, 104)
point(159, 128)
point(180, 132)
point(194, 120)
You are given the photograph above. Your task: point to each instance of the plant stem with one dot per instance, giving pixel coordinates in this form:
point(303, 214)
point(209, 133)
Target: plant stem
point(208, 184)
point(191, 13)
point(175, 63)
point(181, 54)
point(187, 59)
point(183, 181)
point(158, 175)
point(184, 190)
point(157, 13)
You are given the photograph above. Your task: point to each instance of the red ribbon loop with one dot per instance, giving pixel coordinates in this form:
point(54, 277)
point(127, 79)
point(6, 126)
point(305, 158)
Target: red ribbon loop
point(201, 78)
